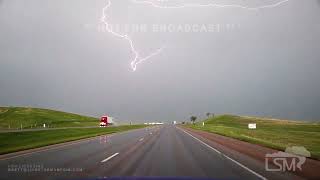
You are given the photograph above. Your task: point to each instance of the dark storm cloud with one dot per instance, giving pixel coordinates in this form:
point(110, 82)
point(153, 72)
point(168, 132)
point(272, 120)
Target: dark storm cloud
point(53, 56)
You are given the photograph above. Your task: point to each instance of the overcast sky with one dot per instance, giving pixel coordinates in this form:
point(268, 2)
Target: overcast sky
point(55, 54)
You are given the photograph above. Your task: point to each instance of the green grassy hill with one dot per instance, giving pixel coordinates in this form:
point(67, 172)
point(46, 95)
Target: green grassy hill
point(277, 134)
point(13, 117)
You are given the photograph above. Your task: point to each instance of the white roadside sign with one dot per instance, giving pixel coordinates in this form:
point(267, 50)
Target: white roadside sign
point(252, 126)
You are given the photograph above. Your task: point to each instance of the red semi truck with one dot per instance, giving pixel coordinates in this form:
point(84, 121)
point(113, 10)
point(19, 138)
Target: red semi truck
point(105, 121)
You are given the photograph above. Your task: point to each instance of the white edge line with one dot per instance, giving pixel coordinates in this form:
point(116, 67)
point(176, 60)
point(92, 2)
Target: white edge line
point(61, 145)
point(236, 162)
point(110, 157)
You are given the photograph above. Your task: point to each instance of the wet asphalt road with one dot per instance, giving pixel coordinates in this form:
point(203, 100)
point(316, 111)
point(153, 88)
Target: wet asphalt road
point(159, 151)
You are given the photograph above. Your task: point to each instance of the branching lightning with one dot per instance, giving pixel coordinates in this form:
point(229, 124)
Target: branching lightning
point(214, 5)
point(137, 59)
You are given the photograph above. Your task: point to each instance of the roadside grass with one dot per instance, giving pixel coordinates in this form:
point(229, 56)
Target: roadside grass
point(276, 134)
point(14, 117)
point(17, 141)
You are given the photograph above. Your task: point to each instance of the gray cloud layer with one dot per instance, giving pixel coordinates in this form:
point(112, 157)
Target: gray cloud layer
point(52, 55)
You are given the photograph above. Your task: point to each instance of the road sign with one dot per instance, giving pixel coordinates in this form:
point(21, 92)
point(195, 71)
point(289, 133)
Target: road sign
point(252, 126)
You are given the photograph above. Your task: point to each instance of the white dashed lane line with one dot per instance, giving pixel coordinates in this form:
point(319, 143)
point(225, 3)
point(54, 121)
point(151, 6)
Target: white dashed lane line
point(110, 157)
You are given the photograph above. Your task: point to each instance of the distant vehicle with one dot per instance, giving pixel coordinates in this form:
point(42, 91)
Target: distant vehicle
point(105, 121)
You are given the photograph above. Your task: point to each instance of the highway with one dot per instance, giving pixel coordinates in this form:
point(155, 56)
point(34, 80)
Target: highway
point(165, 150)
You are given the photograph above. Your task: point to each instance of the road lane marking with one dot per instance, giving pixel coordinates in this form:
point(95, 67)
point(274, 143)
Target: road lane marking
point(110, 157)
point(55, 146)
point(217, 151)
point(59, 145)
point(141, 139)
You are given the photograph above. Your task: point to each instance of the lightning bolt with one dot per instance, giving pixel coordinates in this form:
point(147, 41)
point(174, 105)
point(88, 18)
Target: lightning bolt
point(214, 5)
point(137, 59)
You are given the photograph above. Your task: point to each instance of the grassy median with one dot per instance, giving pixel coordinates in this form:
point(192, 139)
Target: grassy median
point(17, 141)
point(277, 134)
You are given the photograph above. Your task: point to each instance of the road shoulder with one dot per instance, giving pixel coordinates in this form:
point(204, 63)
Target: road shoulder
point(252, 155)
point(58, 145)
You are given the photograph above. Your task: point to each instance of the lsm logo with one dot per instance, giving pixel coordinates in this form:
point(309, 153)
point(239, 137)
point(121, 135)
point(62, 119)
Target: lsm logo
point(292, 159)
